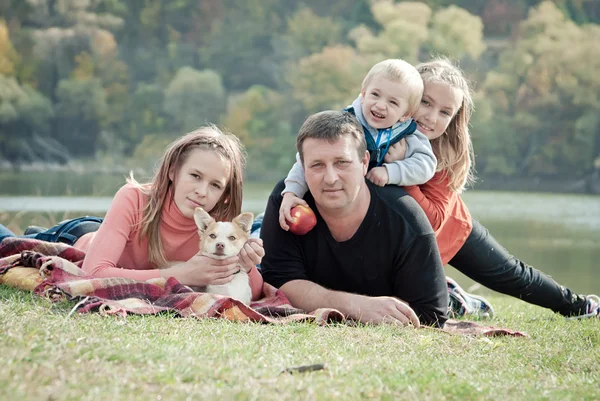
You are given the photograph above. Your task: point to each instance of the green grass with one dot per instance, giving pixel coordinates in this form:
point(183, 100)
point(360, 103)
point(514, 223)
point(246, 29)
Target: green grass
point(46, 354)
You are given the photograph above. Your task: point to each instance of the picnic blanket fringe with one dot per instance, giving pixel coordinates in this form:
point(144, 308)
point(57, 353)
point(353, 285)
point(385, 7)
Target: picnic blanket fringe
point(53, 270)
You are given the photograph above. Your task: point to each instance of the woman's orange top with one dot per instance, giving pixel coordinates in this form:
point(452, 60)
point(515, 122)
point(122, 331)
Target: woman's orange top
point(446, 212)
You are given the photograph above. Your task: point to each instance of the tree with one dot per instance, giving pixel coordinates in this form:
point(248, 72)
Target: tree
point(64, 30)
point(330, 79)
point(403, 31)
point(456, 32)
point(260, 118)
point(25, 118)
point(239, 46)
point(80, 114)
point(8, 55)
point(409, 29)
point(194, 98)
point(544, 94)
point(307, 34)
point(144, 115)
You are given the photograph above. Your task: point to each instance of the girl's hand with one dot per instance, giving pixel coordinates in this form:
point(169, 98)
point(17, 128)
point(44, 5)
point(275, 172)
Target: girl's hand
point(378, 176)
point(251, 254)
point(396, 152)
point(201, 271)
point(289, 201)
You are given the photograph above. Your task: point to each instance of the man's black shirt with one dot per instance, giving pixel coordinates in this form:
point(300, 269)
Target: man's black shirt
point(393, 253)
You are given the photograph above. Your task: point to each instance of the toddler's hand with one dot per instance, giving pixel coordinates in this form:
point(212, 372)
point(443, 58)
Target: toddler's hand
point(378, 176)
point(289, 201)
point(396, 151)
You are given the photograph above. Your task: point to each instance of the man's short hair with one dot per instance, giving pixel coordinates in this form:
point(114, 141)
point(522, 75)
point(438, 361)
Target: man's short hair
point(404, 73)
point(332, 125)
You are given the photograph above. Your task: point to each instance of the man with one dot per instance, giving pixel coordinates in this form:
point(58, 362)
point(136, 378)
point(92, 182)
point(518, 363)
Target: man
point(372, 255)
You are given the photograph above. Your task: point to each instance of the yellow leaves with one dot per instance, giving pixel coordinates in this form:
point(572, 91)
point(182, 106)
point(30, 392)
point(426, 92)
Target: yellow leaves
point(84, 66)
point(246, 108)
point(408, 27)
point(457, 32)
point(404, 29)
point(386, 11)
point(8, 56)
point(554, 59)
point(312, 32)
point(104, 44)
point(330, 79)
point(546, 14)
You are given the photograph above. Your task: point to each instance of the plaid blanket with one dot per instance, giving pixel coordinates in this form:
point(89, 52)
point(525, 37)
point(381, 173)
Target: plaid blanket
point(53, 270)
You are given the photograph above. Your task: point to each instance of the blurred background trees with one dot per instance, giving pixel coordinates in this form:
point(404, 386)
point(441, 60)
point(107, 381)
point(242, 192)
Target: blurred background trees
point(113, 81)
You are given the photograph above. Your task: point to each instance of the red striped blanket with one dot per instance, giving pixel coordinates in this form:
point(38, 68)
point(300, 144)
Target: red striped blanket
point(53, 270)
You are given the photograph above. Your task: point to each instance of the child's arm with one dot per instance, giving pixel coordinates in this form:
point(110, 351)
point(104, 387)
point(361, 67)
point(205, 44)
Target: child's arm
point(435, 198)
point(109, 241)
point(295, 181)
point(417, 167)
point(295, 188)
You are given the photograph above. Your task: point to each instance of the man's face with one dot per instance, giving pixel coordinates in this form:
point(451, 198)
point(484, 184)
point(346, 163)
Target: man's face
point(334, 172)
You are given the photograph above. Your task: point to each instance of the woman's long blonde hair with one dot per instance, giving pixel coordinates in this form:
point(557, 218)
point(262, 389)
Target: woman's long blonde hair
point(160, 186)
point(453, 149)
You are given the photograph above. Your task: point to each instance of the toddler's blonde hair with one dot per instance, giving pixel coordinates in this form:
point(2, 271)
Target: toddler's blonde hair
point(404, 73)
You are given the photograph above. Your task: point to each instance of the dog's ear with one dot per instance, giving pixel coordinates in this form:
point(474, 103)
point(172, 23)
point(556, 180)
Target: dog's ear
point(202, 219)
point(244, 221)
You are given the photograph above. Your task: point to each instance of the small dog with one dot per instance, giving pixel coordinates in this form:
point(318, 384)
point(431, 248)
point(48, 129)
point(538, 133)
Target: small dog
point(221, 240)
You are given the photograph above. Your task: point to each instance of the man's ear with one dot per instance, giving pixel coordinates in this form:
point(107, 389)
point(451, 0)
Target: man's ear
point(365, 162)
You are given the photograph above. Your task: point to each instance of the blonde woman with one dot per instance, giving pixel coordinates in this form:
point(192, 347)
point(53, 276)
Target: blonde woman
point(462, 241)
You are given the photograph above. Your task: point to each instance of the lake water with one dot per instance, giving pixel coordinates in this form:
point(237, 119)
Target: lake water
point(558, 234)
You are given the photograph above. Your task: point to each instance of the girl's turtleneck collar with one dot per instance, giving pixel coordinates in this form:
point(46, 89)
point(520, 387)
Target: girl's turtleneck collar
point(172, 216)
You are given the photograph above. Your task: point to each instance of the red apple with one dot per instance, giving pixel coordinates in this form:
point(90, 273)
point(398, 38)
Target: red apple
point(303, 220)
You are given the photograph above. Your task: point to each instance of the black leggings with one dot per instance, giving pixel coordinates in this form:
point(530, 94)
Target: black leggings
point(484, 260)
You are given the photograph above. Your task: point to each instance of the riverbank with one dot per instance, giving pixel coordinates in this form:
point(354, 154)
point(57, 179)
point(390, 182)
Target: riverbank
point(588, 186)
point(78, 179)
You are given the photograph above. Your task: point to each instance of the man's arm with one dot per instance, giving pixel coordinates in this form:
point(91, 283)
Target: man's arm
point(308, 296)
point(419, 277)
point(295, 181)
point(283, 260)
point(421, 281)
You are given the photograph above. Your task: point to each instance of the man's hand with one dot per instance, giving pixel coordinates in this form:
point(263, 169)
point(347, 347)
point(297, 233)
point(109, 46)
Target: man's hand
point(378, 310)
point(378, 176)
point(396, 152)
point(289, 201)
point(309, 296)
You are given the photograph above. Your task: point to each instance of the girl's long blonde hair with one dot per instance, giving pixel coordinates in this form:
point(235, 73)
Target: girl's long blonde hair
point(160, 186)
point(453, 149)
